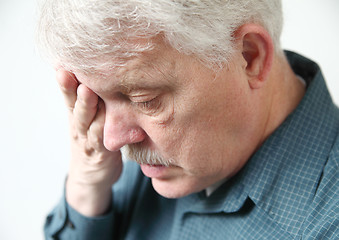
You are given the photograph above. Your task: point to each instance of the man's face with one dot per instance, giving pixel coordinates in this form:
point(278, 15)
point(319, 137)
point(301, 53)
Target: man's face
point(202, 123)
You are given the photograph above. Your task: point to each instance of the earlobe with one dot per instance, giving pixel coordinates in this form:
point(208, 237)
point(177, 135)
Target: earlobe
point(257, 52)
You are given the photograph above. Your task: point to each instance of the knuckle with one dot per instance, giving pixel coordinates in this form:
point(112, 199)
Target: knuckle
point(70, 108)
point(74, 135)
point(94, 157)
point(95, 140)
point(88, 150)
point(81, 125)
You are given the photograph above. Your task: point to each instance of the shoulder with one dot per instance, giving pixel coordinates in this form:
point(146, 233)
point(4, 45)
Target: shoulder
point(322, 221)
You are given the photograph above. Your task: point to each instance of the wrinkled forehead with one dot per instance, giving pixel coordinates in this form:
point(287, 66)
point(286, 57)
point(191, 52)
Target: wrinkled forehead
point(149, 68)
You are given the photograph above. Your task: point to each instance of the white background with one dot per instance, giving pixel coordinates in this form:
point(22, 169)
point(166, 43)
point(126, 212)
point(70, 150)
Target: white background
point(33, 123)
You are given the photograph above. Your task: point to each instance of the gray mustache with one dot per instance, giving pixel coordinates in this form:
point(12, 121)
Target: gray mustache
point(141, 155)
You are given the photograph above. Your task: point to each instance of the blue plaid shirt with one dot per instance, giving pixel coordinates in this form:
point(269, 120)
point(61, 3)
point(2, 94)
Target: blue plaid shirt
point(289, 189)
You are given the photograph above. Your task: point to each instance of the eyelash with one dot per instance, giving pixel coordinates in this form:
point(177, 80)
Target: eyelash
point(152, 104)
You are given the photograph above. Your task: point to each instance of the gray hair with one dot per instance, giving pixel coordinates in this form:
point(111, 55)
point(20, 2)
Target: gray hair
point(87, 34)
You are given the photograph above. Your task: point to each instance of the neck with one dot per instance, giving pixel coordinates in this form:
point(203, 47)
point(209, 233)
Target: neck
point(285, 93)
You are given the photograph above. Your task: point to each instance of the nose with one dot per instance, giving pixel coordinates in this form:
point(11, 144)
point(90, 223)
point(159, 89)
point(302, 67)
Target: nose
point(121, 128)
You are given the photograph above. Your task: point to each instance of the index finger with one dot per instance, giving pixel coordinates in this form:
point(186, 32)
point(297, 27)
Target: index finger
point(68, 85)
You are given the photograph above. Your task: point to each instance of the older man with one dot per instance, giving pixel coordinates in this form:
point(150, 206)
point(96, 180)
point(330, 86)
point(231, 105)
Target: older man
point(231, 137)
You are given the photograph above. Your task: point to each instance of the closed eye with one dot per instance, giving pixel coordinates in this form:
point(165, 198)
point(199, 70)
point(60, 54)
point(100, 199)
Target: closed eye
point(150, 104)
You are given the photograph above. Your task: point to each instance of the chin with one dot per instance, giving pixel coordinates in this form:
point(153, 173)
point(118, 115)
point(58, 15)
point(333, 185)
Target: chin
point(172, 189)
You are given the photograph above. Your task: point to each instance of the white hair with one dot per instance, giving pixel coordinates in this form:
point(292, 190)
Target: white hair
point(87, 34)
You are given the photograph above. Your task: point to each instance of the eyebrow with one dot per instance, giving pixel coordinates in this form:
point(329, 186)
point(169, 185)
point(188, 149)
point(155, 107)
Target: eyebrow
point(135, 80)
point(147, 81)
point(129, 87)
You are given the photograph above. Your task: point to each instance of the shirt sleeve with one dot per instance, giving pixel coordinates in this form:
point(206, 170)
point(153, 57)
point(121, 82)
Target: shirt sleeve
point(66, 223)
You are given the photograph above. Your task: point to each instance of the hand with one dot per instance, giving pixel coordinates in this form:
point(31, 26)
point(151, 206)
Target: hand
point(93, 169)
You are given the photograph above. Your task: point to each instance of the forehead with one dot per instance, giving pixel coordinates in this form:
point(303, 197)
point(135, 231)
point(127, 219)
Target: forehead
point(147, 70)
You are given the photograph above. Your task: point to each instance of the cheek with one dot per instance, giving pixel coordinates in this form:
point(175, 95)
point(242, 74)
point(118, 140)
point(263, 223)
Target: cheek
point(209, 130)
point(161, 129)
point(163, 116)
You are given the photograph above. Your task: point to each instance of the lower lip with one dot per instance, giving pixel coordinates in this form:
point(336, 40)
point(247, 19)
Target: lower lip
point(153, 171)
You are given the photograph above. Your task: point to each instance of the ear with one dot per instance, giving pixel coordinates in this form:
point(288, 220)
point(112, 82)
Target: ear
point(257, 51)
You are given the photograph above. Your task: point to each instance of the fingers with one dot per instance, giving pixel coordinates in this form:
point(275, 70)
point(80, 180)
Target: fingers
point(96, 129)
point(68, 85)
point(85, 109)
point(87, 118)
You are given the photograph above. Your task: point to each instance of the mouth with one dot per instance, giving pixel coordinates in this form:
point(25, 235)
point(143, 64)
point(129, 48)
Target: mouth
point(155, 171)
